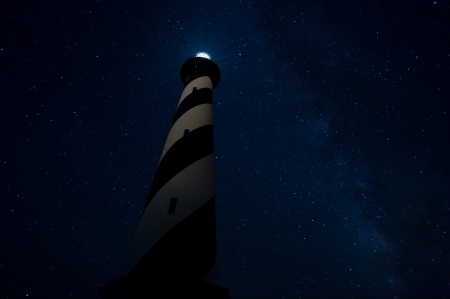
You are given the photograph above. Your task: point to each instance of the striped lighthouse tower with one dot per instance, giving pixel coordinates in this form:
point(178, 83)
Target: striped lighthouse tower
point(173, 254)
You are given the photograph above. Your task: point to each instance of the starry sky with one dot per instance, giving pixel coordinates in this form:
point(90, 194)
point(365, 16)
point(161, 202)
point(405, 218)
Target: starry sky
point(331, 127)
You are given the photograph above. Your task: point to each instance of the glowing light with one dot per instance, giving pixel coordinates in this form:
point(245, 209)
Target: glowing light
point(203, 54)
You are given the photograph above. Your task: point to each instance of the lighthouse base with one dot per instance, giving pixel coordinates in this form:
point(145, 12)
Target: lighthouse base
point(126, 288)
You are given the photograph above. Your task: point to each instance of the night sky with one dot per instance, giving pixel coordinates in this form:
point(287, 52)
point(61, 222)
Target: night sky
point(332, 140)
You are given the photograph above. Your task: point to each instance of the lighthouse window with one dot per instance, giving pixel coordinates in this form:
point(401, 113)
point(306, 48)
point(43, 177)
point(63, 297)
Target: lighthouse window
point(172, 205)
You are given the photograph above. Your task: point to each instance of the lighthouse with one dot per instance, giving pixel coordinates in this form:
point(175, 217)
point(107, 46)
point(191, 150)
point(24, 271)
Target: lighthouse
point(173, 254)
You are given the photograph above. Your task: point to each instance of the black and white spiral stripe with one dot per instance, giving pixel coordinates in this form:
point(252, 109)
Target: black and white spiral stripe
point(176, 237)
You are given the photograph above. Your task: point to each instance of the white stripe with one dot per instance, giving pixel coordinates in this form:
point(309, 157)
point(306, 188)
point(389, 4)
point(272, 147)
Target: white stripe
point(196, 117)
point(200, 82)
point(192, 187)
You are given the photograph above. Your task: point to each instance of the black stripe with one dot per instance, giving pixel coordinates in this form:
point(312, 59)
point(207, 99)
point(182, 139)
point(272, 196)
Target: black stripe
point(186, 253)
point(194, 146)
point(200, 96)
